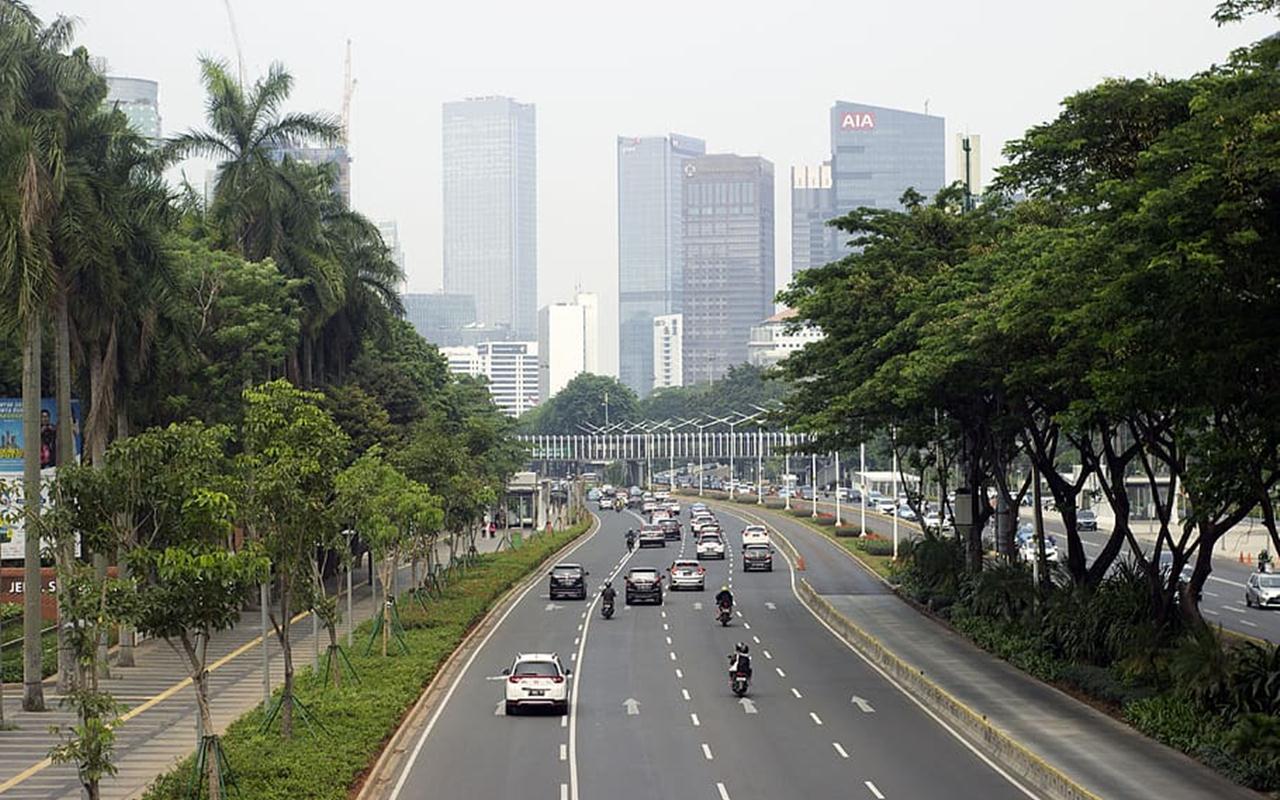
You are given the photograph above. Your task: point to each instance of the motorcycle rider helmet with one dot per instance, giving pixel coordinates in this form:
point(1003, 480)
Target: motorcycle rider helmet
point(741, 647)
point(608, 584)
point(724, 587)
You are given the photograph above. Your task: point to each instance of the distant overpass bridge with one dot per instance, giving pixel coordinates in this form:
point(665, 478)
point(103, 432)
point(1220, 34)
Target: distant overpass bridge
point(683, 447)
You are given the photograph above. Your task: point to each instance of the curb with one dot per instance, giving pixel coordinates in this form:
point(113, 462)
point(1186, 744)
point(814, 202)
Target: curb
point(995, 742)
point(382, 775)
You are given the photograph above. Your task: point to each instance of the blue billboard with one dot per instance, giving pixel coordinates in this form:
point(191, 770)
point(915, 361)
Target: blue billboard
point(12, 444)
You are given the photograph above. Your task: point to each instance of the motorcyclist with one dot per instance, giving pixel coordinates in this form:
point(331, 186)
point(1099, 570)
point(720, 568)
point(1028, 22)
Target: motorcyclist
point(724, 598)
point(739, 661)
point(631, 540)
point(1264, 560)
point(608, 594)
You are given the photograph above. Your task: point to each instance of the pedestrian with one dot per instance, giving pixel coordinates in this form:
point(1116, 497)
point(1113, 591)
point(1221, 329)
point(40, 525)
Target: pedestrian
point(493, 529)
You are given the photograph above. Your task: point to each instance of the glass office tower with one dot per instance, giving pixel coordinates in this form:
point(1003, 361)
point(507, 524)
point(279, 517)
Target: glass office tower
point(490, 210)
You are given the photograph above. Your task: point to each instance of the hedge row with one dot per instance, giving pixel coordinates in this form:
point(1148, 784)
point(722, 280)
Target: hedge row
point(355, 721)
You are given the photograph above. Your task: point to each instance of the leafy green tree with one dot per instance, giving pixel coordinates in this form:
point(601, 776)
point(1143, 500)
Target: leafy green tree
point(583, 402)
point(292, 452)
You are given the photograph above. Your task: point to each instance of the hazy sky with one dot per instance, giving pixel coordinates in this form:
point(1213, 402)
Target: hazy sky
point(749, 76)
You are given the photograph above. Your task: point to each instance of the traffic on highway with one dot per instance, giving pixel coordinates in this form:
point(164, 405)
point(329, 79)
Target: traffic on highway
point(664, 697)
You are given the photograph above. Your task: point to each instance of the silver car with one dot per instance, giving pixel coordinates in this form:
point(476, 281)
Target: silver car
point(1263, 590)
point(688, 574)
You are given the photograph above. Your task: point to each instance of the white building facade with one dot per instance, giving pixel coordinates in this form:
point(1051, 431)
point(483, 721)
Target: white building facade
point(568, 342)
point(774, 339)
point(511, 369)
point(668, 345)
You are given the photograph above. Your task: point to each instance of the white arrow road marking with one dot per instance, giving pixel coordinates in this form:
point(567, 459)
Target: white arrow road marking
point(839, 749)
point(694, 719)
point(633, 707)
point(862, 705)
point(500, 709)
point(747, 705)
point(874, 790)
point(706, 751)
point(771, 606)
point(816, 719)
point(796, 692)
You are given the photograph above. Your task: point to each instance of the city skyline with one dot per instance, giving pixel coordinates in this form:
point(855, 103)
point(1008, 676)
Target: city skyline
point(764, 107)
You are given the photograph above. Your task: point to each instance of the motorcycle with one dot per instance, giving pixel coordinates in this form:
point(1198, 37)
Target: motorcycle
point(724, 615)
point(606, 609)
point(739, 682)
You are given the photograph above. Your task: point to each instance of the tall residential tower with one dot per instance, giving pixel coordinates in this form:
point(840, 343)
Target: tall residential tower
point(650, 250)
point(490, 210)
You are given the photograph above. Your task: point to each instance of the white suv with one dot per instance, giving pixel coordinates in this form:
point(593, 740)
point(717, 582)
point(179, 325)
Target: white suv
point(537, 680)
point(710, 545)
point(755, 534)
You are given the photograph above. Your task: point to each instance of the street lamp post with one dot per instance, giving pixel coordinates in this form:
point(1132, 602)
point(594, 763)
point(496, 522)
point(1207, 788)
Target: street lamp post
point(894, 445)
point(786, 480)
point(759, 463)
point(862, 484)
point(813, 480)
point(837, 487)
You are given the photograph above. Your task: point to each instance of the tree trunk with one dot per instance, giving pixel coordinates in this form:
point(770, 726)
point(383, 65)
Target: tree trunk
point(64, 551)
point(1042, 567)
point(200, 682)
point(32, 688)
point(125, 655)
point(386, 609)
point(286, 650)
point(307, 358)
point(335, 664)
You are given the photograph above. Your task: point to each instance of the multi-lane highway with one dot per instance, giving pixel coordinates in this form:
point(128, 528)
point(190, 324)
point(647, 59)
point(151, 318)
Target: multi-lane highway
point(652, 715)
point(1223, 600)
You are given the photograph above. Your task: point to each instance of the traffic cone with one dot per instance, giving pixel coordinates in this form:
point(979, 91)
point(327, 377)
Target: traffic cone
point(799, 563)
point(1241, 556)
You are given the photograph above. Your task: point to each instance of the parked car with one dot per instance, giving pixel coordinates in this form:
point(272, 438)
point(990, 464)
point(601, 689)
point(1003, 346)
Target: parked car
point(652, 536)
point(1086, 520)
point(1263, 590)
point(688, 574)
point(643, 583)
point(757, 556)
point(536, 680)
point(568, 580)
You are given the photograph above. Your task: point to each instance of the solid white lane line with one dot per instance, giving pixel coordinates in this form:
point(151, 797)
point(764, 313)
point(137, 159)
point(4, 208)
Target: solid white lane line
point(839, 749)
point(564, 751)
point(706, 751)
point(724, 794)
point(778, 670)
point(694, 719)
point(796, 692)
point(684, 693)
point(1237, 610)
point(816, 719)
point(768, 655)
point(874, 790)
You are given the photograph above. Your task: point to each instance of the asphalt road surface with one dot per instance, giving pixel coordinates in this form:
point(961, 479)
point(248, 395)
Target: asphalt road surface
point(1223, 601)
point(652, 715)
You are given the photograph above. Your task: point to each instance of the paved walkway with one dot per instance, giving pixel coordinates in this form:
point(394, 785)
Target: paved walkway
point(1105, 756)
point(159, 727)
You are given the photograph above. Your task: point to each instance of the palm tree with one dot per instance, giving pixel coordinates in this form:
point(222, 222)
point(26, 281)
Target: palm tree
point(263, 205)
point(32, 138)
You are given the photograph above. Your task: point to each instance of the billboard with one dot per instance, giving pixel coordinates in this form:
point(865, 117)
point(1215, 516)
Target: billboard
point(12, 449)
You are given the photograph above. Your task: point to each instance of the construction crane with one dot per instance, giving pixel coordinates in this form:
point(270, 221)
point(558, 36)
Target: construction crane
point(348, 89)
point(235, 38)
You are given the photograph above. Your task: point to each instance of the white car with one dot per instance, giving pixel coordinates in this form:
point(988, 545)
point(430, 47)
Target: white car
point(932, 521)
point(755, 534)
point(886, 506)
point(536, 680)
point(905, 512)
point(710, 545)
point(701, 521)
point(672, 505)
point(1028, 550)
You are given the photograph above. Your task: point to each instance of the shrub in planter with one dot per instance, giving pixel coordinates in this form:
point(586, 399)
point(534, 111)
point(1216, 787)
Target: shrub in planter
point(825, 521)
point(801, 513)
point(847, 530)
point(774, 504)
point(875, 547)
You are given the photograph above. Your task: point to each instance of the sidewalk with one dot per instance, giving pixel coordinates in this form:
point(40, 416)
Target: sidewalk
point(1102, 755)
point(159, 727)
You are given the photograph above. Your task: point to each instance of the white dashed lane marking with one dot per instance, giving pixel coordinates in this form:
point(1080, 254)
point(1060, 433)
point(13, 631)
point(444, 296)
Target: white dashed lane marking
point(874, 790)
point(778, 670)
point(839, 749)
point(706, 751)
point(694, 719)
point(816, 719)
point(796, 692)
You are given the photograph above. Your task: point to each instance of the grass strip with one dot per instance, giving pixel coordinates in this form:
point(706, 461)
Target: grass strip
point(357, 719)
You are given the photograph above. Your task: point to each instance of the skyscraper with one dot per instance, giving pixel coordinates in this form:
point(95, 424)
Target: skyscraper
point(336, 156)
point(490, 213)
point(729, 260)
point(440, 318)
point(390, 232)
point(139, 100)
point(510, 368)
point(876, 155)
point(650, 249)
